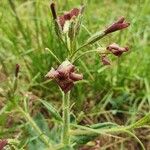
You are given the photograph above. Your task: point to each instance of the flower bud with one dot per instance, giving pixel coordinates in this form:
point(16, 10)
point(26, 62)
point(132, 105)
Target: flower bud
point(17, 70)
point(53, 10)
point(105, 60)
point(116, 49)
point(118, 25)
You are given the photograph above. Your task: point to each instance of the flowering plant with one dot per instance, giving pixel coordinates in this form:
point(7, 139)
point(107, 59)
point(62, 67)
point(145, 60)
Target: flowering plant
point(70, 134)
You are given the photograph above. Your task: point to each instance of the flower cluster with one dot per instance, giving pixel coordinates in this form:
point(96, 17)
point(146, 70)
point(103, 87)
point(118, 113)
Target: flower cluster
point(67, 28)
point(114, 48)
point(64, 76)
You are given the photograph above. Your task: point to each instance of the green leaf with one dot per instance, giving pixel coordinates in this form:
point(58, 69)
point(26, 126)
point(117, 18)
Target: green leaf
point(33, 141)
point(83, 139)
point(143, 121)
point(105, 125)
point(52, 110)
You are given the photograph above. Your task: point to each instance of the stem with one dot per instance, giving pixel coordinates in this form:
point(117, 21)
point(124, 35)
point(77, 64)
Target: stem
point(66, 119)
point(78, 50)
point(90, 51)
point(43, 137)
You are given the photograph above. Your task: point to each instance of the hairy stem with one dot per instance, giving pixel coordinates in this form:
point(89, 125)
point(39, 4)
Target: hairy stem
point(66, 119)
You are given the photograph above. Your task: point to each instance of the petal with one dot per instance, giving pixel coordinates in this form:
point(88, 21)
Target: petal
point(52, 74)
point(113, 46)
point(74, 12)
point(67, 16)
point(61, 21)
point(65, 68)
point(120, 20)
point(76, 77)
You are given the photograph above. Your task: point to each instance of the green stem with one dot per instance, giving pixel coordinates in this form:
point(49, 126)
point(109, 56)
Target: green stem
point(91, 51)
point(43, 137)
point(66, 119)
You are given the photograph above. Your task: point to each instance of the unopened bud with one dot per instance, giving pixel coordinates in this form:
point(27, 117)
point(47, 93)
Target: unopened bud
point(53, 10)
point(118, 25)
point(17, 70)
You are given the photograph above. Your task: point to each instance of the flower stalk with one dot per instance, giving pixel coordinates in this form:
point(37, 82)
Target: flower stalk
point(66, 118)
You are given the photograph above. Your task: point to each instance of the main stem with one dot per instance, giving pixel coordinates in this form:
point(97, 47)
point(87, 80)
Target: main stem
point(66, 119)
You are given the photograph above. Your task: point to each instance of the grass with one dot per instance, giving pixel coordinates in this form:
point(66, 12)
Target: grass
point(119, 93)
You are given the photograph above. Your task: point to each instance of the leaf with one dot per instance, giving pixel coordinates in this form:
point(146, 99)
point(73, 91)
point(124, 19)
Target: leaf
point(52, 110)
point(143, 121)
point(83, 139)
point(34, 142)
point(105, 125)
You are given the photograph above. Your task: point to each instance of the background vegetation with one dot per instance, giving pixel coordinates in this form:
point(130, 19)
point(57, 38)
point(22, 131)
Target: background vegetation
point(118, 93)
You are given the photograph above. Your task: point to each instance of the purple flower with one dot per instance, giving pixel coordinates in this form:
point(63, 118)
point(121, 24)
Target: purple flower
point(118, 25)
point(66, 16)
point(64, 76)
point(105, 60)
point(3, 143)
point(116, 49)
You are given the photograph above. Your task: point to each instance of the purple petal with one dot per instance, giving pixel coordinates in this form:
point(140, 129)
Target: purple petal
point(76, 77)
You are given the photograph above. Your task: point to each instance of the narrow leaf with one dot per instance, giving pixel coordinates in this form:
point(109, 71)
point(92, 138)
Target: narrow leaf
point(52, 110)
point(143, 121)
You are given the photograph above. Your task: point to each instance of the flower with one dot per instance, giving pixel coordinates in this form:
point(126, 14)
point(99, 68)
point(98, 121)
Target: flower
point(118, 25)
point(105, 60)
point(3, 143)
point(64, 76)
point(66, 16)
point(116, 49)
